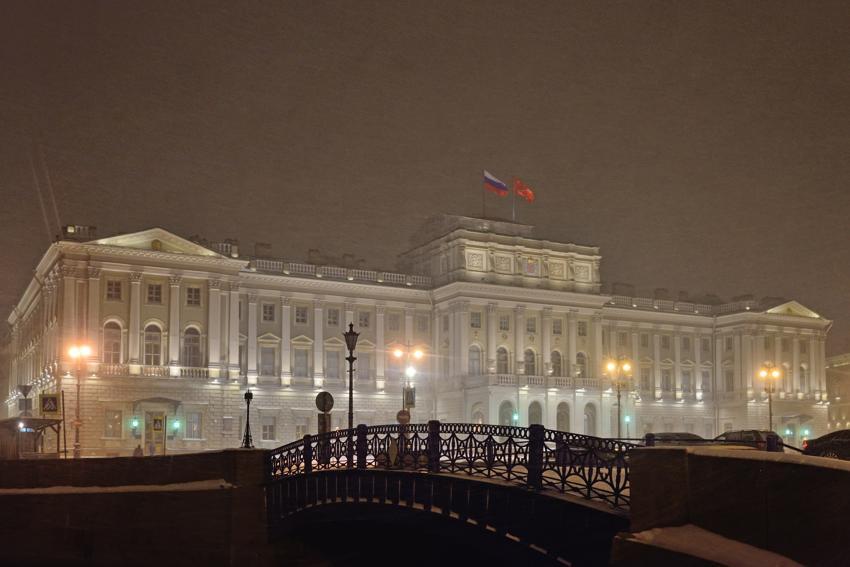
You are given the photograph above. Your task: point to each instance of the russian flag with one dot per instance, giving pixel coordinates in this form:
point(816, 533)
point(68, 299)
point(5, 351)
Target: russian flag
point(494, 185)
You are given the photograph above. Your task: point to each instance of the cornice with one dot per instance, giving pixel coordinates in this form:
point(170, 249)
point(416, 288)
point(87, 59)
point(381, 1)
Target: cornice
point(97, 251)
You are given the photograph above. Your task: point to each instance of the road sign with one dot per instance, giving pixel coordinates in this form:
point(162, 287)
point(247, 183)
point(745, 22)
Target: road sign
point(324, 401)
point(410, 397)
point(403, 417)
point(49, 405)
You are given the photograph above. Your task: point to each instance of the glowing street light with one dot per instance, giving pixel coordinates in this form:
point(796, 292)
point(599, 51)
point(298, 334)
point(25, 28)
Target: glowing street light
point(410, 371)
point(770, 374)
point(78, 353)
point(620, 371)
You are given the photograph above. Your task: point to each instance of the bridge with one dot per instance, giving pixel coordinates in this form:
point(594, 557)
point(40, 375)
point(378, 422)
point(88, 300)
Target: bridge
point(562, 494)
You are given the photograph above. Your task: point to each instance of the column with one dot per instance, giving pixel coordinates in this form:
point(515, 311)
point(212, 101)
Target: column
point(814, 369)
point(777, 360)
point(739, 383)
point(463, 335)
point(491, 338)
point(408, 324)
point(747, 366)
point(380, 348)
point(546, 344)
point(598, 362)
point(795, 366)
point(319, 343)
point(437, 354)
point(93, 325)
point(286, 341)
point(174, 325)
point(452, 340)
point(214, 328)
point(69, 311)
point(519, 336)
point(697, 379)
point(135, 323)
point(252, 338)
point(635, 355)
point(656, 365)
point(822, 366)
point(233, 361)
point(677, 364)
point(572, 337)
point(718, 372)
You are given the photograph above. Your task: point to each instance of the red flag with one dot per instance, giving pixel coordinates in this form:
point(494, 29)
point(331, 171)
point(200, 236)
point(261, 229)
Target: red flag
point(523, 190)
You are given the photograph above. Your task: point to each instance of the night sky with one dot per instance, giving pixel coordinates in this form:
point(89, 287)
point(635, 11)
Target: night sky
point(704, 146)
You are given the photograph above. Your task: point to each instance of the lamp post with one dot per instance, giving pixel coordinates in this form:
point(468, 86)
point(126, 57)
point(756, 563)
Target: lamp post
point(409, 370)
point(78, 353)
point(247, 441)
point(351, 343)
point(770, 374)
point(619, 371)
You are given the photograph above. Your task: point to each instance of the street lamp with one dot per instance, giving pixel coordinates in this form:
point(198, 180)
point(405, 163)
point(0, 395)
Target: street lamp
point(351, 343)
point(78, 353)
point(410, 370)
point(619, 371)
point(247, 440)
point(770, 374)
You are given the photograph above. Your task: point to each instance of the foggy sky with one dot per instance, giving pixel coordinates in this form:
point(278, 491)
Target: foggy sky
point(703, 146)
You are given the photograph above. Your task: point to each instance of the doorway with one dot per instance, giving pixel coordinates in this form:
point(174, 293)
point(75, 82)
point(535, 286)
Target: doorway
point(154, 433)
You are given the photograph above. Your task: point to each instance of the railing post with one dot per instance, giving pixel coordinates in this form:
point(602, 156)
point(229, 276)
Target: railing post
point(434, 446)
point(650, 439)
point(535, 456)
point(308, 454)
point(361, 446)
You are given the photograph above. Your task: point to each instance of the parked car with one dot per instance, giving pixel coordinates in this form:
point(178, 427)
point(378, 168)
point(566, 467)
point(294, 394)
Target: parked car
point(835, 445)
point(675, 438)
point(751, 438)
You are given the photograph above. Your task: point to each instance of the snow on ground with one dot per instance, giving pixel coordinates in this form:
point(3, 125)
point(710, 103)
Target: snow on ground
point(194, 486)
point(695, 541)
point(754, 455)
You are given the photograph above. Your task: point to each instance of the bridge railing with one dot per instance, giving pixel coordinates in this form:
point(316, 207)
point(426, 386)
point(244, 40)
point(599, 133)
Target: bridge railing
point(533, 457)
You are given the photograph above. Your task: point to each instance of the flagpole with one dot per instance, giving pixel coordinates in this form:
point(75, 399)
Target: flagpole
point(513, 201)
point(483, 202)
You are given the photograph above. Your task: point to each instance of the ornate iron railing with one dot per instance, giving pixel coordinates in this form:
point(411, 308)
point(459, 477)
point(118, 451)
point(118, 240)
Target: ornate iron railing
point(534, 457)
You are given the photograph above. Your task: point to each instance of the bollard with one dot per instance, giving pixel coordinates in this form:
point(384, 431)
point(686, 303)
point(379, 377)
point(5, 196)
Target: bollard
point(434, 446)
point(308, 454)
point(361, 446)
point(535, 456)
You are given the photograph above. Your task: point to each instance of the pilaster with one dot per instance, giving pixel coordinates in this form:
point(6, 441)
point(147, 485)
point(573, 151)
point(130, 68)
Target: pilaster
point(214, 327)
point(286, 341)
point(134, 343)
point(174, 325)
point(252, 338)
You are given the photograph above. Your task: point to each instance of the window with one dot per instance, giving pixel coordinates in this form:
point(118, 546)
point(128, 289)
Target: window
point(153, 345)
point(475, 319)
point(582, 328)
point(422, 323)
point(666, 379)
point(687, 385)
point(113, 290)
point(301, 358)
point(268, 312)
point(193, 296)
point(665, 341)
point(300, 315)
point(531, 325)
point(474, 360)
point(112, 343)
point(557, 327)
point(729, 378)
point(269, 427)
point(556, 363)
point(192, 347)
point(581, 365)
point(193, 426)
point(706, 345)
point(706, 381)
point(729, 344)
point(227, 424)
point(332, 364)
point(155, 294)
point(363, 319)
point(333, 318)
point(645, 378)
point(301, 428)
point(394, 322)
point(112, 424)
point(504, 322)
point(502, 361)
point(686, 343)
point(622, 339)
point(530, 360)
point(644, 340)
point(267, 361)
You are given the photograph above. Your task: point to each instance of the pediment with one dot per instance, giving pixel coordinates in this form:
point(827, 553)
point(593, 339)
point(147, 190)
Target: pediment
point(793, 309)
point(303, 339)
point(334, 341)
point(158, 240)
point(271, 337)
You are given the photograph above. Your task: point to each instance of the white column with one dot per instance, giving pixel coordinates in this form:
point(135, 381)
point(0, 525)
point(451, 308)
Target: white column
point(318, 343)
point(546, 322)
point(572, 337)
point(635, 362)
point(814, 371)
point(233, 361)
point(519, 336)
point(174, 325)
point(214, 328)
point(408, 325)
point(452, 342)
point(677, 364)
point(380, 348)
point(656, 365)
point(252, 338)
point(747, 365)
point(739, 383)
point(795, 362)
point(598, 362)
point(69, 312)
point(491, 338)
point(718, 371)
point(93, 325)
point(822, 366)
point(697, 379)
point(133, 343)
point(285, 342)
point(436, 352)
point(463, 323)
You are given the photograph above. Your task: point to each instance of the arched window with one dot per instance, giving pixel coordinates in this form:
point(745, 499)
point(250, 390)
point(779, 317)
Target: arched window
point(474, 360)
point(535, 413)
point(556, 363)
point(112, 343)
point(192, 347)
point(590, 419)
point(562, 418)
point(530, 366)
point(506, 413)
point(478, 413)
point(581, 365)
point(153, 345)
point(502, 361)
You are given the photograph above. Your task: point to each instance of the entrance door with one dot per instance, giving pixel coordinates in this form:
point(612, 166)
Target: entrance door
point(154, 433)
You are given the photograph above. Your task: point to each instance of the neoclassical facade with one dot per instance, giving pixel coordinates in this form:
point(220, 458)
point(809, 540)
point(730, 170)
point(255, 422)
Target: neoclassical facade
point(515, 329)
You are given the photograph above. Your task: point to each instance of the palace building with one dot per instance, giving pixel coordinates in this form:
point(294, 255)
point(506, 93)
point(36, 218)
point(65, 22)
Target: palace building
point(514, 330)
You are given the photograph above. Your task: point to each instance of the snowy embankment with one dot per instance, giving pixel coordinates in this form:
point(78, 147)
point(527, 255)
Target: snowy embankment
point(194, 486)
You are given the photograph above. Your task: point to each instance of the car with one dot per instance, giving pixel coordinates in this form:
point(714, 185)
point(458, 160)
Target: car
point(751, 438)
point(835, 445)
point(674, 438)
